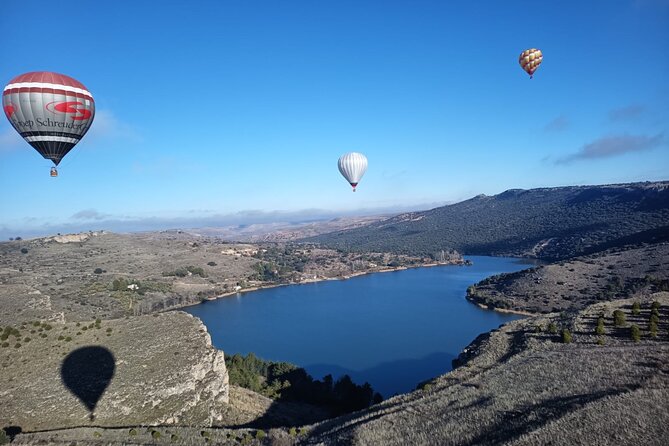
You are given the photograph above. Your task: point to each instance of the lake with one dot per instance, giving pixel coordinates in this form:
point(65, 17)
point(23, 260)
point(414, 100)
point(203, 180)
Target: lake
point(391, 329)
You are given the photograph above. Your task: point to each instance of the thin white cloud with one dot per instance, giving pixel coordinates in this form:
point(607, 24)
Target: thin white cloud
point(611, 146)
point(626, 113)
point(89, 214)
point(107, 126)
point(558, 124)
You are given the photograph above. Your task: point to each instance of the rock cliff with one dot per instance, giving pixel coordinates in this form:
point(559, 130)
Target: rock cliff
point(165, 372)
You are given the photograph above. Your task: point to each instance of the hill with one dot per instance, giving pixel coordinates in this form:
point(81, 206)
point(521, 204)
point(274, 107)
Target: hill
point(577, 282)
point(522, 385)
point(547, 223)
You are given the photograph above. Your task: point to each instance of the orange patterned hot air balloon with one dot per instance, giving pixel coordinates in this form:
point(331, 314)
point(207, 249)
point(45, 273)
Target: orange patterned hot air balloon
point(530, 60)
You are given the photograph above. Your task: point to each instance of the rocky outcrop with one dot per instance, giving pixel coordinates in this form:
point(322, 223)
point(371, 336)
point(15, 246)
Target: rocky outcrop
point(165, 372)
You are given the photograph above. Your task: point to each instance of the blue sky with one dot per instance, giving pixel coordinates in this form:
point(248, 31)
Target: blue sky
point(220, 111)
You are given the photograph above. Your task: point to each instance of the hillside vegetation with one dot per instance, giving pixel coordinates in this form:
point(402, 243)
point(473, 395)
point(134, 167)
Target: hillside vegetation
point(577, 282)
point(528, 383)
point(548, 223)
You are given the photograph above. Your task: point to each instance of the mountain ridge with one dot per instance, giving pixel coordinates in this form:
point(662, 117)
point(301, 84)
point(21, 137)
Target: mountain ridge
point(549, 223)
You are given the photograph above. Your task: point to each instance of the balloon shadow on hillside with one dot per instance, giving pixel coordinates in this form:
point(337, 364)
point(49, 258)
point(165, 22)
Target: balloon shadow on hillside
point(86, 372)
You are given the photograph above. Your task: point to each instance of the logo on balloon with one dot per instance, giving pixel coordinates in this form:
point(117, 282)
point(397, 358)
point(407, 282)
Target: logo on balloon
point(9, 110)
point(78, 109)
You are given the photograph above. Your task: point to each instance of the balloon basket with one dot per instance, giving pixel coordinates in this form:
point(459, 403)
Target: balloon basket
point(54, 172)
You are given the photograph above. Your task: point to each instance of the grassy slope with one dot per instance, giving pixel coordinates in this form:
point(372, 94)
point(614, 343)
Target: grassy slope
point(528, 388)
point(577, 282)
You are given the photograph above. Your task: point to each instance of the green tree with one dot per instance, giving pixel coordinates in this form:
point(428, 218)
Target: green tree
point(652, 329)
point(4, 439)
point(635, 333)
point(636, 308)
point(600, 326)
point(552, 328)
point(618, 318)
point(566, 336)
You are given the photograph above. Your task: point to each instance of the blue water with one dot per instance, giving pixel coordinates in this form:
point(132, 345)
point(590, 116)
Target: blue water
point(392, 330)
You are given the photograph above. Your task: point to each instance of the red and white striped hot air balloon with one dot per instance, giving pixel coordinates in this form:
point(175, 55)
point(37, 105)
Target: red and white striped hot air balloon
point(51, 111)
point(530, 60)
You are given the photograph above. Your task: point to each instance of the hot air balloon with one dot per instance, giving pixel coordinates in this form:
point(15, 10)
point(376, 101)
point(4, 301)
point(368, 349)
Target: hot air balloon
point(51, 111)
point(353, 166)
point(530, 60)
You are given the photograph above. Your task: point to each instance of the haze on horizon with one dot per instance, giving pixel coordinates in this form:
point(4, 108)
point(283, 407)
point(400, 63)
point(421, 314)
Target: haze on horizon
point(208, 111)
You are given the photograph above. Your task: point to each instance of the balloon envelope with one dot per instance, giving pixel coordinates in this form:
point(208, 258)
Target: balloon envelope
point(530, 60)
point(51, 111)
point(353, 166)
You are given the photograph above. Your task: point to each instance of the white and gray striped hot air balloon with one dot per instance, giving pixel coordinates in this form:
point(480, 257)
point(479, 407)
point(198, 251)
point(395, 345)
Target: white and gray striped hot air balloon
point(51, 111)
point(353, 166)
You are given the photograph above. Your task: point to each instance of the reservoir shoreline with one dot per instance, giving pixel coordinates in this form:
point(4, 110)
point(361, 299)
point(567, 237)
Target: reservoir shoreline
point(387, 330)
point(360, 274)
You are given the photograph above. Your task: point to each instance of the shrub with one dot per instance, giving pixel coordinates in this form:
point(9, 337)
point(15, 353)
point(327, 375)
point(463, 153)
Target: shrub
point(635, 333)
point(260, 434)
point(17, 345)
point(655, 305)
point(174, 437)
point(24, 250)
point(652, 329)
point(4, 439)
point(97, 270)
point(155, 435)
point(205, 434)
point(5, 344)
point(132, 431)
point(196, 271)
point(636, 308)
point(538, 328)
point(566, 336)
point(600, 341)
point(211, 263)
point(600, 326)
point(97, 434)
point(552, 328)
point(292, 432)
point(654, 318)
point(68, 339)
point(618, 318)
point(655, 312)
